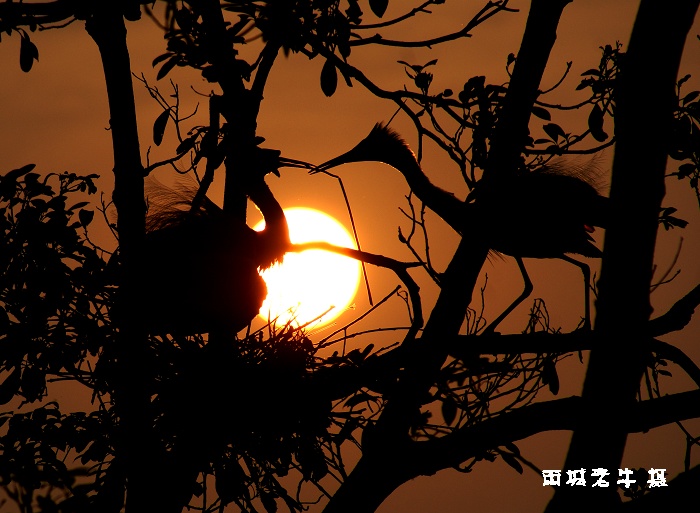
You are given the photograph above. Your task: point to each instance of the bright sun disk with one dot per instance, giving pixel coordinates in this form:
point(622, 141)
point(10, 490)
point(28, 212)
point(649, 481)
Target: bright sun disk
point(306, 285)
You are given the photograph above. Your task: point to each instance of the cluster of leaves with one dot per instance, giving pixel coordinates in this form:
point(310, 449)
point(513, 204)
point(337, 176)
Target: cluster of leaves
point(481, 103)
point(188, 43)
point(686, 137)
point(289, 24)
point(601, 82)
point(54, 460)
point(52, 300)
point(295, 26)
point(53, 323)
point(475, 109)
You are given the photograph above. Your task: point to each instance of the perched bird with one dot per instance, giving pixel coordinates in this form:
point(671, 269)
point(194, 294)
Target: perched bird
point(547, 213)
point(200, 266)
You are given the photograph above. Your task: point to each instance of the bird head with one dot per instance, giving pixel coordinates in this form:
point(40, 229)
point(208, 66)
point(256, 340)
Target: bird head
point(381, 145)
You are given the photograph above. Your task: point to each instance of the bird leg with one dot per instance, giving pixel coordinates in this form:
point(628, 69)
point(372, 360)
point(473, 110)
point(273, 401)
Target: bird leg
point(586, 291)
point(523, 296)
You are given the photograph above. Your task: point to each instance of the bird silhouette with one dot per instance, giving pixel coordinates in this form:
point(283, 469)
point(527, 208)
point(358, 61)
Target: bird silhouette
point(200, 265)
point(547, 213)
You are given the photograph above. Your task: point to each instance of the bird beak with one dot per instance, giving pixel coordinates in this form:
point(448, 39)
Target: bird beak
point(335, 162)
point(285, 162)
point(365, 150)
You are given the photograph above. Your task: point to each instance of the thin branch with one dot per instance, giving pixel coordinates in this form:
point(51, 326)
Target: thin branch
point(209, 146)
point(147, 170)
point(559, 82)
point(665, 278)
point(589, 151)
point(671, 353)
point(267, 58)
point(486, 12)
point(400, 268)
point(410, 14)
point(678, 316)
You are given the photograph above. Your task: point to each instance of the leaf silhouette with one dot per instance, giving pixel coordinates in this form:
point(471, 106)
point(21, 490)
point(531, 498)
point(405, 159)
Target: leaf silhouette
point(449, 411)
point(159, 126)
point(541, 113)
point(10, 386)
point(554, 131)
point(169, 64)
point(329, 79)
point(85, 217)
point(28, 52)
point(378, 7)
point(595, 124)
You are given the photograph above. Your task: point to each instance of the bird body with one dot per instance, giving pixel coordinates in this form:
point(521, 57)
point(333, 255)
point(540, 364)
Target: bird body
point(541, 214)
point(201, 275)
point(200, 265)
point(547, 213)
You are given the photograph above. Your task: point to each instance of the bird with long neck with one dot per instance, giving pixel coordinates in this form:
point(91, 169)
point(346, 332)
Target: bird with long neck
point(200, 266)
point(540, 214)
point(386, 146)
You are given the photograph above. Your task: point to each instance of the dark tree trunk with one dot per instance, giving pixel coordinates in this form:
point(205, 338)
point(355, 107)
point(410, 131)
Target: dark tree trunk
point(133, 444)
point(645, 98)
point(510, 134)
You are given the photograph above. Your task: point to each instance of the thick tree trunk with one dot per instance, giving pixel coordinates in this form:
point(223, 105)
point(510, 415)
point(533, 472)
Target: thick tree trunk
point(511, 132)
point(644, 109)
point(133, 444)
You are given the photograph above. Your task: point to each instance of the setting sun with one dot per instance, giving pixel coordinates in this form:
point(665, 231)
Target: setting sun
point(312, 283)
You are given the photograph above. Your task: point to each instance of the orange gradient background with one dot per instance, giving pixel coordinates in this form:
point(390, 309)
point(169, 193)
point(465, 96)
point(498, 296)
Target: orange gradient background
point(56, 116)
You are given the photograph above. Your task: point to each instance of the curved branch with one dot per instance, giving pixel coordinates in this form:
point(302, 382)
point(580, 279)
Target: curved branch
point(588, 151)
point(267, 58)
point(559, 106)
point(350, 71)
point(678, 316)
point(398, 19)
point(489, 10)
point(559, 82)
point(381, 474)
point(673, 354)
point(400, 268)
point(151, 167)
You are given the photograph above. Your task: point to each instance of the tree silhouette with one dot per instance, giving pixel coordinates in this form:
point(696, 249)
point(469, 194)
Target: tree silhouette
point(186, 410)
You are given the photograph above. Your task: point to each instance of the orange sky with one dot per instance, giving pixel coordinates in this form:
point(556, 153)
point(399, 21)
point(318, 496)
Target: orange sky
point(56, 116)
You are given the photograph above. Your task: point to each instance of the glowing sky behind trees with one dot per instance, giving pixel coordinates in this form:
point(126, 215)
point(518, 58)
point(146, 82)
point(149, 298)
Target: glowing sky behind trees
point(56, 116)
